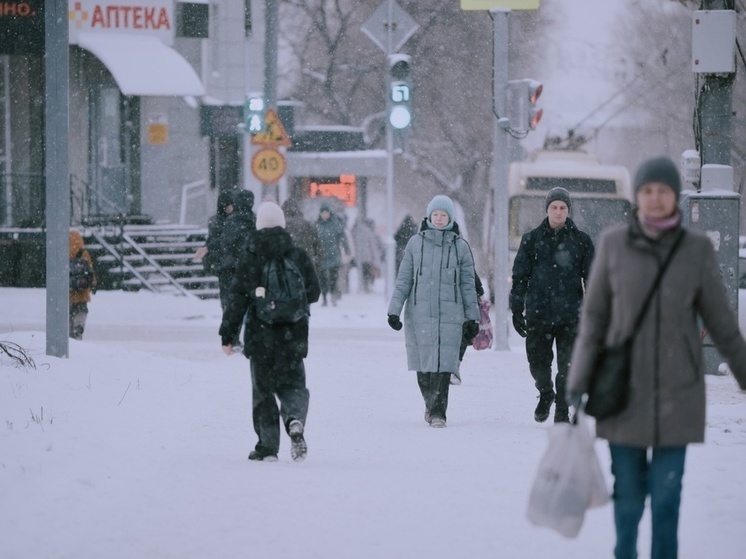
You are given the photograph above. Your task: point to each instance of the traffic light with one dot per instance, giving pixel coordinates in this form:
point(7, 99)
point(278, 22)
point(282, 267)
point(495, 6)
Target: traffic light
point(521, 104)
point(253, 113)
point(400, 91)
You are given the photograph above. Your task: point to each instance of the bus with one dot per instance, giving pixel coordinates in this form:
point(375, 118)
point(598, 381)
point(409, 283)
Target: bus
point(601, 194)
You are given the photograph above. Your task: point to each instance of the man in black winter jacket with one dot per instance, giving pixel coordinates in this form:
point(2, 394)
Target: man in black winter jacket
point(276, 351)
point(549, 275)
point(238, 225)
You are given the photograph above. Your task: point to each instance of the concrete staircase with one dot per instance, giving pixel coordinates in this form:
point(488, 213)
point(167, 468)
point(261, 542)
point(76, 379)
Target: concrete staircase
point(159, 258)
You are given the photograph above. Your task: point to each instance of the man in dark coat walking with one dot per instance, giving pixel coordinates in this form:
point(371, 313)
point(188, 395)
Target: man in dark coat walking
point(212, 253)
point(332, 241)
point(238, 226)
point(276, 351)
point(549, 275)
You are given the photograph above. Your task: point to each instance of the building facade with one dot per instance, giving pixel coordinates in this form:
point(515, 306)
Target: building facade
point(149, 81)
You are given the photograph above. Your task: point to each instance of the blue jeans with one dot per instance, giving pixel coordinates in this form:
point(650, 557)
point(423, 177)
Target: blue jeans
point(637, 474)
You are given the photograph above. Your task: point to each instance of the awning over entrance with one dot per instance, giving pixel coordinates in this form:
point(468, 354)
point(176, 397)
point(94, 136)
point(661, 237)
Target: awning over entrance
point(143, 65)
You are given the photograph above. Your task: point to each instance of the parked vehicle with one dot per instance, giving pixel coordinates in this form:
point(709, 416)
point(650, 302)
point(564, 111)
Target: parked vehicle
point(601, 194)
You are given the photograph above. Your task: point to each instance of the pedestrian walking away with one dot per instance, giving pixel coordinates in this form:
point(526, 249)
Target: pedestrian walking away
point(276, 347)
point(368, 252)
point(81, 296)
point(435, 287)
point(549, 274)
point(302, 232)
point(333, 241)
point(666, 406)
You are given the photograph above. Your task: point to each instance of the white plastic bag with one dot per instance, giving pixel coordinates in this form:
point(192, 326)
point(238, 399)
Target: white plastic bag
point(569, 480)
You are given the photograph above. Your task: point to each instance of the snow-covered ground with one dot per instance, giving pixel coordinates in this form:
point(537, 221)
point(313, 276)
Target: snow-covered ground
point(136, 446)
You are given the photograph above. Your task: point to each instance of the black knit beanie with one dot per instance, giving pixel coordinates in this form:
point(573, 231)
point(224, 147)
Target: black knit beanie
point(557, 193)
point(658, 169)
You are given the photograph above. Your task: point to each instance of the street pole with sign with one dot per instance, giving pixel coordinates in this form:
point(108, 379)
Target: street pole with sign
point(390, 27)
point(500, 12)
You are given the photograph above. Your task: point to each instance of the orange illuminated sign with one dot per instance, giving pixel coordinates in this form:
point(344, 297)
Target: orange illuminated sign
point(345, 189)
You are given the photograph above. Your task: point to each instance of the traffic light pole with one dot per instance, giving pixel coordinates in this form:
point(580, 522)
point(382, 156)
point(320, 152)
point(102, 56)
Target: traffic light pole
point(500, 161)
point(271, 191)
point(715, 111)
point(390, 244)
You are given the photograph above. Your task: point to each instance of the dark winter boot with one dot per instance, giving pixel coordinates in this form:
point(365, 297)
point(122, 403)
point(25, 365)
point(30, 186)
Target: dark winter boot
point(298, 448)
point(262, 456)
point(542, 408)
point(561, 413)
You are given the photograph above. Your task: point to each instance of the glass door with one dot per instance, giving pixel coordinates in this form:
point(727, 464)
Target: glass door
point(109, 192)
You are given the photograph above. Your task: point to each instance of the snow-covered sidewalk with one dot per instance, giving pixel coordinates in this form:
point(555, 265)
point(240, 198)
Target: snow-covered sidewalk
point(136, 446)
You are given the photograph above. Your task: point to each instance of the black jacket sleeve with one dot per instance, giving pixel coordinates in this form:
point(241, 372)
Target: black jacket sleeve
point(522, 268)
point(241, 294)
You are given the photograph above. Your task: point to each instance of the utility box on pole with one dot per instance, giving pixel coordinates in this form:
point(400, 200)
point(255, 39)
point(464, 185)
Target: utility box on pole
point(714, 211)
point(714, 41)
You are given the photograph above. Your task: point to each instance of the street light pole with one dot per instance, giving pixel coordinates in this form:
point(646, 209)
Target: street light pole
point(57, 175)
point(500, 19)
point(390, 243)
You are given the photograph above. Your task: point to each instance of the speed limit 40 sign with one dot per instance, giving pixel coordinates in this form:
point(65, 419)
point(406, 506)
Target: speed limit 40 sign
point(268, 165)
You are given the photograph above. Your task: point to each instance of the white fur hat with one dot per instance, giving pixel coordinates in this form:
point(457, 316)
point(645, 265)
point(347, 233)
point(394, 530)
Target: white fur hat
point(268, 215)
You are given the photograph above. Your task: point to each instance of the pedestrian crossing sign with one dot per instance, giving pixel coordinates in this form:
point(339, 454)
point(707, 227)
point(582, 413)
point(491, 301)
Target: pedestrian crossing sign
point(274, 132)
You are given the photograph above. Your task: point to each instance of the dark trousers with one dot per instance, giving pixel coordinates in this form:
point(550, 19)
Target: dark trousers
point(540, 338)
point(328, 282)
point(273, 378)
point(224, 287)
point(368, 275)
point(635, 476)
point(78, 316)
point(434, 388)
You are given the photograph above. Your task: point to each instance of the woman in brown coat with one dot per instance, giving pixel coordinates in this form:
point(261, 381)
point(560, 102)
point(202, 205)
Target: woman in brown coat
point(666, 410)
point(79, 298)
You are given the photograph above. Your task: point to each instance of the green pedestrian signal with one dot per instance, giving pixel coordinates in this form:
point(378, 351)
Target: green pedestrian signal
point(254, 110)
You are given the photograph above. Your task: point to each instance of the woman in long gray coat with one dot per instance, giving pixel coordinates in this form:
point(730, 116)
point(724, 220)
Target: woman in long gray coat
point(436, 281)
point(666, 409)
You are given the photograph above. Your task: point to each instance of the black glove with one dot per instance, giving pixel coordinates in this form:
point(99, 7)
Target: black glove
point(471, 329)
point(519, 323)
point(353, 264)
point(394, 322)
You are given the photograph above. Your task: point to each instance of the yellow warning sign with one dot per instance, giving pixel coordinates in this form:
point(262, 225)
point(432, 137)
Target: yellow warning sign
point(274, 132)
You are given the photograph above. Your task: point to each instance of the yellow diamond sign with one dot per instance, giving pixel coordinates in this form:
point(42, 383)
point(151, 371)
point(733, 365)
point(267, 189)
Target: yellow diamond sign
point(489, 4)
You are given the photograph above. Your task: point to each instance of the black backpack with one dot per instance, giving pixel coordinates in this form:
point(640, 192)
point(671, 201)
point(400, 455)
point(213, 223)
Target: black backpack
point(284, 300)
point(81, 273)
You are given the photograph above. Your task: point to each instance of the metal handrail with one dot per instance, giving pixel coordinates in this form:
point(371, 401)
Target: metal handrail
point(120, 258)
point(155, 265)
point(189, 191)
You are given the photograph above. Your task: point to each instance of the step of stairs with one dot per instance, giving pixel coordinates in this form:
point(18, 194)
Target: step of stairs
point(155, 257)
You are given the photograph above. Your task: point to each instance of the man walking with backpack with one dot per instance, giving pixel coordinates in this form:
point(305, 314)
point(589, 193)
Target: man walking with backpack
point(549, 274)
point(274, 284)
